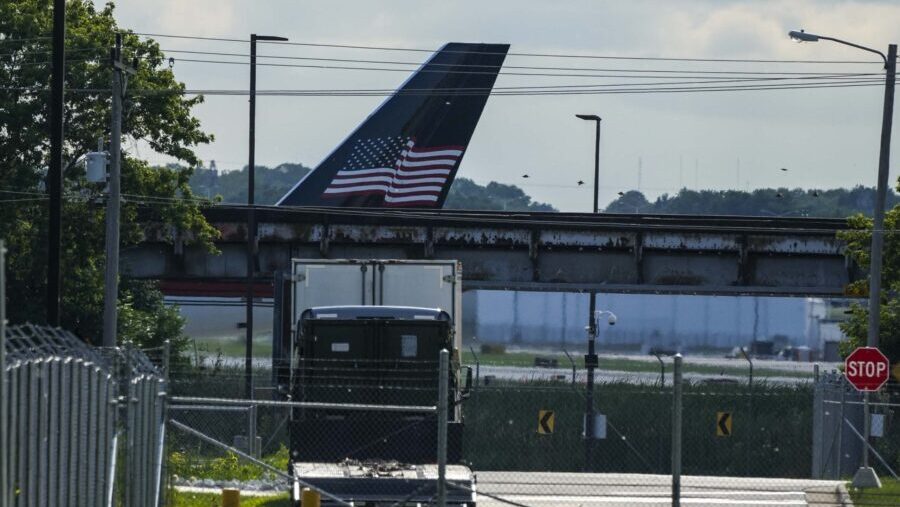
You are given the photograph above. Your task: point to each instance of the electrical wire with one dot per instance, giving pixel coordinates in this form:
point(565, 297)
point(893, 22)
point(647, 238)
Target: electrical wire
point(427, 70)
point(601, 89)
point(512, 218)
point(713, 73)
point(539, 55)
point(28, 39)
point(24, 199)
point(484, 66)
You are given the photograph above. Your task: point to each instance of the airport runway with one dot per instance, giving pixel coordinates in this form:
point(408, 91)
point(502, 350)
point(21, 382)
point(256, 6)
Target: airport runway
point(531, 374)
point(540, 489)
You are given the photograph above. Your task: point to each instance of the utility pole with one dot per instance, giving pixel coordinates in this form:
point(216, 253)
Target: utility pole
point(55, 169)
point(884, 158)
point(111, 285)
point(865, 476)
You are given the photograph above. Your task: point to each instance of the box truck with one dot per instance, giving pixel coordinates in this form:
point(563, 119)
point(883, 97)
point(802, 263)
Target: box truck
point(369, 332)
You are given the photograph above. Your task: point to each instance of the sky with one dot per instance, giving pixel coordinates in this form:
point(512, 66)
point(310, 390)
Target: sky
point(659, 143)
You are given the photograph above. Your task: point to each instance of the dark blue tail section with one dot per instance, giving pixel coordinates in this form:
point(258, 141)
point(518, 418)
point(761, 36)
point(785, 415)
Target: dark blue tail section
point(407, 152)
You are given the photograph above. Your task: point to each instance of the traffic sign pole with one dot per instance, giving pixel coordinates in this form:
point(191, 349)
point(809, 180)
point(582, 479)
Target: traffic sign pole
point(867, 369)
point(866, 430)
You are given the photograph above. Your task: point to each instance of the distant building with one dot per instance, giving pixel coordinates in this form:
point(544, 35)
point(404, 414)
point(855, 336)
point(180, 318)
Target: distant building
point(696, 323)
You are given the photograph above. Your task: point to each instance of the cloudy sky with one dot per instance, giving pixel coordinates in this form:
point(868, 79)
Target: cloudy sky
point(826, 137)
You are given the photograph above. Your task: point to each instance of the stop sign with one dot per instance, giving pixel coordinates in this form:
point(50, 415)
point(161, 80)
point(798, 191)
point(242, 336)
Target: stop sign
point(867, 369)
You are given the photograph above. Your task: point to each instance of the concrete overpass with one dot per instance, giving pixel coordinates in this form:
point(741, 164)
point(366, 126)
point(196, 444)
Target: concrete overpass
point(569, 252)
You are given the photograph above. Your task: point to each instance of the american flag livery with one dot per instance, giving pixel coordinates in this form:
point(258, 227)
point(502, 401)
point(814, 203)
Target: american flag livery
point(395, 167)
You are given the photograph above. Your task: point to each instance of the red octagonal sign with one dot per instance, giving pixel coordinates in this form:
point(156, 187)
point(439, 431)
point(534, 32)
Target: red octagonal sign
point(867, 369)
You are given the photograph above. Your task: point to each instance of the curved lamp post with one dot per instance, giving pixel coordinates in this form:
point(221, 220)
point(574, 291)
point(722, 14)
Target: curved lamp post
point(865, 476)
point(251, 215)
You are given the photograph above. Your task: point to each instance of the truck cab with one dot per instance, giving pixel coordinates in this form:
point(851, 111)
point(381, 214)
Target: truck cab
point(369, 332)
point(371, 355)
point(379, 356)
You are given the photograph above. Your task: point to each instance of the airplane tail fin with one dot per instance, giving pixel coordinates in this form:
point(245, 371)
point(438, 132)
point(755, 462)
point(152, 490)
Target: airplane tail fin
point(407, 152)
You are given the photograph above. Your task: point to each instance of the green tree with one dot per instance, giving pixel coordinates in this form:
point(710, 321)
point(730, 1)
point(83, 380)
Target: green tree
point(859, 241)
point(155, 114)
point(466, 194)
point(629, 202)
point(231, 186)
point(777, 202)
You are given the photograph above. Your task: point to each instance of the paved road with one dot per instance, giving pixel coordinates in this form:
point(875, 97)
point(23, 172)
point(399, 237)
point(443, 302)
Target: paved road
point(550, 489)
point(537, 489)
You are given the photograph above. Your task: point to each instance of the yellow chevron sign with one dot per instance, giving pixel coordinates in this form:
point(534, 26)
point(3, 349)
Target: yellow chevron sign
point(546, 421)
point(723, 424)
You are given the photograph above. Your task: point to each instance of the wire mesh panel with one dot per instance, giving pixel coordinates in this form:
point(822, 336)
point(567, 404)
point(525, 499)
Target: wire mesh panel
point(524, 434)
point(86, 424)
point(60, 400)
point(374, 422)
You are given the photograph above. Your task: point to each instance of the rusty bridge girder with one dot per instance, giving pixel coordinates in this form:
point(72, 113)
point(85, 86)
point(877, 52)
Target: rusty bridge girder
point(528, 251)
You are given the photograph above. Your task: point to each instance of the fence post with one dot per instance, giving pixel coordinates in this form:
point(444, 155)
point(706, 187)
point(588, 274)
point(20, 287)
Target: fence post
point(840, 434)
point(162, 484)
point(443, 402)
point(4, 398)
point(128, 418)
point(477, 367)
point(676, 433)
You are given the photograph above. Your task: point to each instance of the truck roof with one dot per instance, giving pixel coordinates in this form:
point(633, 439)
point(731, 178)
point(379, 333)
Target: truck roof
point(375, 312)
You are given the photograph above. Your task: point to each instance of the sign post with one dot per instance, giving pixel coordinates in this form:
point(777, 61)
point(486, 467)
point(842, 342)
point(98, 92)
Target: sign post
point(866, 369)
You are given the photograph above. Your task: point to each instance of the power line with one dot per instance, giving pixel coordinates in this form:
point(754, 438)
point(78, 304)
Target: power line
point(455, 66)
point(712, 76)
point(609, 89)
point(461, 215)
point(540, 55)
point(28, 39)
point(467, 72)
point(505, 66)
point(41, 52)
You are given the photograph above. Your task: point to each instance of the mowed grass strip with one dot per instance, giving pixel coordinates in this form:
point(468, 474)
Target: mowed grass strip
point(186, 499)
point(889, 494)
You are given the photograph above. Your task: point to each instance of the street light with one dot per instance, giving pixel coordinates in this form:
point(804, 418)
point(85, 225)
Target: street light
point(251, 214)
point(595, 118)
point(590, 359)
point(865, 476)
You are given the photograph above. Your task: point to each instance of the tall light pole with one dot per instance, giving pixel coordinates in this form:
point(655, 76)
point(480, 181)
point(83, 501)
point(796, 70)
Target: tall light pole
point(595, 118)
point(590, 359)
point(865, 476)
point(251, 212)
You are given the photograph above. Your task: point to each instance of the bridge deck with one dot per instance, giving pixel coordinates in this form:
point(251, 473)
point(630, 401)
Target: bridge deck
point(530, 251)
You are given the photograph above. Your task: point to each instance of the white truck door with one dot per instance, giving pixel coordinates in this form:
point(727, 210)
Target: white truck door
point(426, 285)
point(335, 283)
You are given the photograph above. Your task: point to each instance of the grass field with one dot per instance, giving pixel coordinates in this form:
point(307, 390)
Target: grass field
point(889, 494)
point(181, 499)
point(526, 359)
point(262, 347)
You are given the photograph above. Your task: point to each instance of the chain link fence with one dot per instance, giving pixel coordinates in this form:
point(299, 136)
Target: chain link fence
point(838, 436)
point(84, 425)
point(740, 442)
point(354, 432)
point(522, 435)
